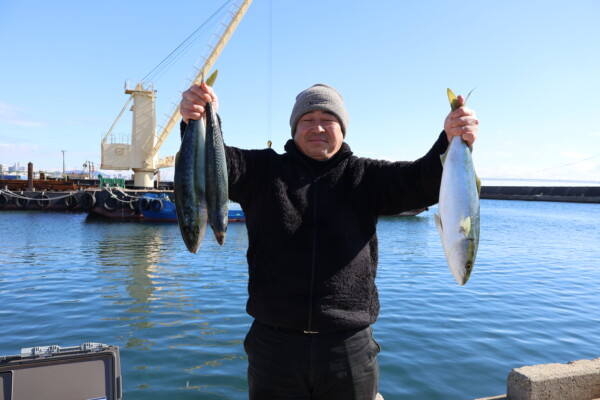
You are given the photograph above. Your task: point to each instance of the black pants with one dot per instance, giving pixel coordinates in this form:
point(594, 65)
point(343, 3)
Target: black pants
point(286, 364)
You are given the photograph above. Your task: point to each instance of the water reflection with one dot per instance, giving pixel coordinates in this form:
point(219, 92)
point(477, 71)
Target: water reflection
point(131, 257)
point(176, 304)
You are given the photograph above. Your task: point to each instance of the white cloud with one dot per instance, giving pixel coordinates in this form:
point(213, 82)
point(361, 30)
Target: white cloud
point(15, 149)
point(574, 155)
point(11, 153)
point(17, 116)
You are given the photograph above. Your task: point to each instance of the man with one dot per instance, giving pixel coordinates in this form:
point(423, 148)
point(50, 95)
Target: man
point(311, 215)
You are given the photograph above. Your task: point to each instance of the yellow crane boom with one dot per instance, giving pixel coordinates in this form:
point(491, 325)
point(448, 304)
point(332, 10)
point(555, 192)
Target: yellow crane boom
point(139, 152)
point(210, 61)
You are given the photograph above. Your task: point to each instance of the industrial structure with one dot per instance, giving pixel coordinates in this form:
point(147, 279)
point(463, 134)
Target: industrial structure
point(139, 151)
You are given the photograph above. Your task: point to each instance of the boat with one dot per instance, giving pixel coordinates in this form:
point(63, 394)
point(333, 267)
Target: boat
point(235, 214)
point(159, 207)
point(411, 213)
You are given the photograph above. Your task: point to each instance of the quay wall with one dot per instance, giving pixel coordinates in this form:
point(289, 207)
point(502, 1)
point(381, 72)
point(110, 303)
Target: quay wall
point(573, 194)
point(576, 380)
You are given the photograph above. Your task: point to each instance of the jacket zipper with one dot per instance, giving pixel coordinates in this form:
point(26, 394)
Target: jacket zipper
point(313, 261)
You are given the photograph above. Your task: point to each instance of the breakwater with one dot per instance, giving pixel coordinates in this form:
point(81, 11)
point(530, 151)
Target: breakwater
point(571, 194)
point(113, 202)
point(576, 380)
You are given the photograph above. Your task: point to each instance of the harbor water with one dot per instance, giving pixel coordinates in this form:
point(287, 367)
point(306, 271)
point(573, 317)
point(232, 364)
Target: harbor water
point(179, 319)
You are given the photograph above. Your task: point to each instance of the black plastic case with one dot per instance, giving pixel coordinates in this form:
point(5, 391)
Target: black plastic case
point(91, 371)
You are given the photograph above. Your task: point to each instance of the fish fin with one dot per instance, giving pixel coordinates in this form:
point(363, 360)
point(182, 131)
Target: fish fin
point(478, 182)
point(443, 156)
point(454, 103)
point(467, 98)
point(438, 222)
point(465, 226)
point(211, 79)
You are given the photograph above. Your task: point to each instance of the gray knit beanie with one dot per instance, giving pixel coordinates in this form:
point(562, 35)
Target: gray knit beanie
point(319, 97)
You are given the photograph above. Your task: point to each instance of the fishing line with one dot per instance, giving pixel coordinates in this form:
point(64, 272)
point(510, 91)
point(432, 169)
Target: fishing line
point(571, 163)
point(546, 169)
point(269, 73)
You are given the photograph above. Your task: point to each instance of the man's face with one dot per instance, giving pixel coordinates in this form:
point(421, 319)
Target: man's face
point(319, 135)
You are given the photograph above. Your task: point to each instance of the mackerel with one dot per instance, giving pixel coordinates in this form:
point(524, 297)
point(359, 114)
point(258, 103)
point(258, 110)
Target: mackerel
point(190, 182)
point(458, 210)
point(217, 192)
point(189, 185)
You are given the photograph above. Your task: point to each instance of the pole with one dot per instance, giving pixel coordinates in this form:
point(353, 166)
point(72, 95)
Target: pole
point(64, 172)
point(30, 176)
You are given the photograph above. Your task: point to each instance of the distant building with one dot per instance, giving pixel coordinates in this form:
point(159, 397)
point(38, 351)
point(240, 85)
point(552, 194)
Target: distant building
point(54, 174)
point(17, 168)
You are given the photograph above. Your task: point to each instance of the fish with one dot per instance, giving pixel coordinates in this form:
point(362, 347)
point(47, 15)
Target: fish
point(457, 219)
point(217, 196)
point(189, 186)
point(189, 183)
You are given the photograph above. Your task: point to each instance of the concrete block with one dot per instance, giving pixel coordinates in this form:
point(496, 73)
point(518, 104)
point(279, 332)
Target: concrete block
point(577, 380)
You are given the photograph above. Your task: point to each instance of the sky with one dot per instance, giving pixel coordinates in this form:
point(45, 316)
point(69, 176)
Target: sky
point(534, 66)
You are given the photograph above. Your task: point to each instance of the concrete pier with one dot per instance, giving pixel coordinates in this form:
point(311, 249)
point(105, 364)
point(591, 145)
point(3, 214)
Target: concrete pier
point(576, 380)
point(572, 194)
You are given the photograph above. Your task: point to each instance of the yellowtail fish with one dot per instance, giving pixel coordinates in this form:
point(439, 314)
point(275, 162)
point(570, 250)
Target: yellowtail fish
point(458, 209)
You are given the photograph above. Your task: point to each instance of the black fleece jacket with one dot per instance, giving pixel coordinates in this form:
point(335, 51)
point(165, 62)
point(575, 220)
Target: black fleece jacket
point(312, 242)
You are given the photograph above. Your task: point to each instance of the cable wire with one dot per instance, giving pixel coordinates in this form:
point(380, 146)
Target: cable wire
point(183, 46)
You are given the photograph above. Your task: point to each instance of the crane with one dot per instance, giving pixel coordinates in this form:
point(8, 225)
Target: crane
point(139, 152)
